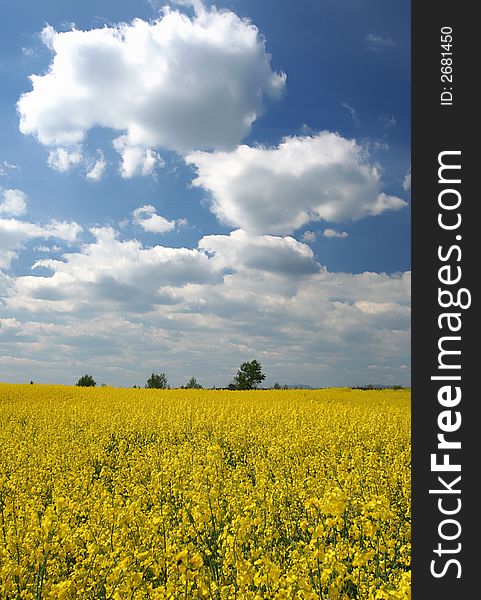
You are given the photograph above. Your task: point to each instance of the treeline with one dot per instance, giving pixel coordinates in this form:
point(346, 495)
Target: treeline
point(248, 377)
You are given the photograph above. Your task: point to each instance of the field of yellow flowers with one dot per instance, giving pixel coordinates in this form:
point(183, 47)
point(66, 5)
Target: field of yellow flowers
point(134, 494)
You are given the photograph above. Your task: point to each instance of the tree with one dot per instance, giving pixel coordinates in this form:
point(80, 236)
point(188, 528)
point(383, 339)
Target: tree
point(192, 384)
point(248, 376)
point(86, 381)
point(157, 381)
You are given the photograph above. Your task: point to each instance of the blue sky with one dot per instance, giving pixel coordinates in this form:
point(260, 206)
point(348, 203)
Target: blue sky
point(185, 186)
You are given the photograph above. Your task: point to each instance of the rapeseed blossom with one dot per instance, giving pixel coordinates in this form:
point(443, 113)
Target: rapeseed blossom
point(168, 494)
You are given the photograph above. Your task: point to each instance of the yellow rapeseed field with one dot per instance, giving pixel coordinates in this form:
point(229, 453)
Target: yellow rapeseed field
point(133, 494)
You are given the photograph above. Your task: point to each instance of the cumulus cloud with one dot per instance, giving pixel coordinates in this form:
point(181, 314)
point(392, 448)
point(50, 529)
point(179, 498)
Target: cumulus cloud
point(407, 180)
point(327, 331)
point(147, 218)
point(61, 159)
point(309, 236)
point(307, 178)
point(135, 159)
point(233, 297)
point(9, 323)
point(6, 167)
point(13, 202)
point(48, 249)
point(14, 233)
point(126, 273)
point(179, 83)
point(118, 266)
point(97, 169)
point(270, 254)
point(332, 233)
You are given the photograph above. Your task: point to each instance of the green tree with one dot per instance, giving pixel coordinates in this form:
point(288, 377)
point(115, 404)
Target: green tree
point(86, 381)
point(157, 381)
point(248, 377)
point(193, 384)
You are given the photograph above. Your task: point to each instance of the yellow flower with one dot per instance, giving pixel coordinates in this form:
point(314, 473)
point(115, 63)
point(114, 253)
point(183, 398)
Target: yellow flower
point(204, 493)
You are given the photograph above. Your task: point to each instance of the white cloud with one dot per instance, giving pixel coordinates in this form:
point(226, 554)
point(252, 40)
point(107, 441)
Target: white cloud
point(14, 233)
point(109, 261)
point(149, 220)
point(309, 236)
point(277, 190)
point(375, 308)
point(377, 42)
point(47, 36)
point(63, 230)
point(327, 330)
point(332, 233)
point(243, 252)
point(48, 249)
point(6, 254)
point(196, 4)
point(8, 323)
point(179, 83)
point(97, 170)
point(407, 180)
point(118, 308)
point(62, 159)
point(135, 159)
point(14, 202)
point(6, 167)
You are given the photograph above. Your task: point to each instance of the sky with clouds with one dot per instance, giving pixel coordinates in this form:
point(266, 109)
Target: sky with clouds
point(185, 186)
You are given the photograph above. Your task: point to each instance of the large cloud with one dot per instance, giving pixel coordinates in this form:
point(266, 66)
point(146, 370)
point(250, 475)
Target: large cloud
point(337, 330)
point(277, 190)
point(120, 270)
point(123, 311)
point(179, 83)
point(127, 275)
